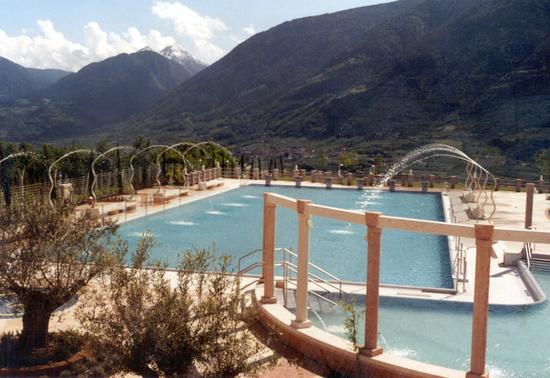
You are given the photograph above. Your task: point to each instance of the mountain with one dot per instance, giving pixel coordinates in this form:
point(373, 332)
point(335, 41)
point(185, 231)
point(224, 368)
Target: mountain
point(389, 76)
point(45, 77)
point(181, 56)
point(17, 81)
point(98, 96)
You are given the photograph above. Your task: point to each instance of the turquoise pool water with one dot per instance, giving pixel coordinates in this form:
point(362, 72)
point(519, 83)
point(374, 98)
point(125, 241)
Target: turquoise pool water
point(439, 333)
point(231, 222)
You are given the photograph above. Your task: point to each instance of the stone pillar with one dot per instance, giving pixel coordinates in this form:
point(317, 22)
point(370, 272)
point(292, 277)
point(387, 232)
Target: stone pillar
point(268, 180)
point(360, 183)
point(328, 182)
point(425, 186)
point(391, 184)
point(529, 205)
point(298, 181)
point(484, 245)
point(237, 172)
point(303, 174)
point(497, 183)
point(404, 179)
point(349, 178)
point(518, 185)
point(370, 179)
point(540, 186)
point(374, 233)
point(256, 173)
point(410, 180)
point(431, 180)
point(453, 180)
point(275, 174)
point(295, 173)
point(301, 320)
point(269, 252)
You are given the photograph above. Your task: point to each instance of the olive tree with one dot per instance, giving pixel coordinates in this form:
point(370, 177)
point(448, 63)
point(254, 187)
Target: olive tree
point(47, 257)
point(154, 323)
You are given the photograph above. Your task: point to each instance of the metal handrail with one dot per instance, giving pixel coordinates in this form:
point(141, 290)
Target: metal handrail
point(318, 295)
point(528, 254)
point(289, 266)
point(288, 251)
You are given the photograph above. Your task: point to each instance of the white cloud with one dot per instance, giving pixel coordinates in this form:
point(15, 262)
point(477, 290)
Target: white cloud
point(51, 49)
point(249, 30)
point(200, 30)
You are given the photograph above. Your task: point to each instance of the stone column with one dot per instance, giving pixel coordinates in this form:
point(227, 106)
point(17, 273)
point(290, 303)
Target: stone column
point(237, 172)
point(269, 251)
point(256, 173)
point(370, 179)
point(540, 186)
point(518, 185)
point(328, 182)
point(425, 186)
point(391, 184)
point(268, 180)
point(303, 174)
point(275, 174)
point(374, 233)
point(484, 245)
point(360, 183)
point(349, 178)
point(298, 181)
point(301, 320)
point(410, 180)
point(453, 180)
point(404, 179)
point(431, 179)
point(529, 205)
point(497, 184)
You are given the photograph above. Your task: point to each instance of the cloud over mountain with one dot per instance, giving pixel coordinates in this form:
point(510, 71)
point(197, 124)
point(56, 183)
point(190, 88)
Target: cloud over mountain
point(52, 49)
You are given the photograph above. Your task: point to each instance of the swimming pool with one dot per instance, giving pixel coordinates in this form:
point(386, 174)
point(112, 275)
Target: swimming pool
point(231, 223)
point(440, 332)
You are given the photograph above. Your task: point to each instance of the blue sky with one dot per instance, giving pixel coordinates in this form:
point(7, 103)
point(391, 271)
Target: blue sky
point(69, 34)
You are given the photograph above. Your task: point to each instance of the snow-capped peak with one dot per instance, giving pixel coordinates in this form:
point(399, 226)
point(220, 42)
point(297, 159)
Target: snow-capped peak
point(179, 54)
point(146, 48)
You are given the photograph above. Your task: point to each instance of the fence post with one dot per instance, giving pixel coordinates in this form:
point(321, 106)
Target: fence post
point(301, 320)
point(529, 205)
point(269, 251)
point(374, 233)
point(484, 245)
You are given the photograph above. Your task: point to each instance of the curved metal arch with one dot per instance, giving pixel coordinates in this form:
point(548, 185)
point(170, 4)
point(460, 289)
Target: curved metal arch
point(94, 181)
point(476, 165)
point(52, 183)
point(182, 155)
point(17, 154)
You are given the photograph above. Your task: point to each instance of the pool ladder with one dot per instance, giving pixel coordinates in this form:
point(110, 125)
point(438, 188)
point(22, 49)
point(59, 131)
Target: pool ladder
point(326, 286)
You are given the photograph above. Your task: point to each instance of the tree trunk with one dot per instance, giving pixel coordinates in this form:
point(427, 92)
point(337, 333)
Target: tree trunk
point(36, 318)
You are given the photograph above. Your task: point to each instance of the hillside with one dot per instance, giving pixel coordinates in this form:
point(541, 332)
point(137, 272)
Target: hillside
point(393, 75)
point(98, 96)
point(17, 81)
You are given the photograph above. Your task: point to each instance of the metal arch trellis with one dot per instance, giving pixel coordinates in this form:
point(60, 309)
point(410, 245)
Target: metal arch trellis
point(94, 181)
point(181, 154)
point(132, 171)
point(15, 155)
point(52, 182)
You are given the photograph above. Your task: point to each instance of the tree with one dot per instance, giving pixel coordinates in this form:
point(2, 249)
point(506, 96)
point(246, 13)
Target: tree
point(48, 257)
point(146, 321)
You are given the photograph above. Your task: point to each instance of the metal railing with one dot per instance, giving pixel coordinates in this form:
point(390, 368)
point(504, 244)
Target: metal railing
point(289, 279)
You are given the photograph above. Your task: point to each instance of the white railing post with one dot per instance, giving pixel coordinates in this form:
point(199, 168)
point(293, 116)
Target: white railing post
point(301, 320)
point(374, 233)
point(268, 262)
point(484, 245)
